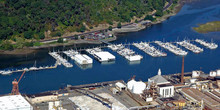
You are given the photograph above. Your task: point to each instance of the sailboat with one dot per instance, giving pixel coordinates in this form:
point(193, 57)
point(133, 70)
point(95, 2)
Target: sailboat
point(34, 68)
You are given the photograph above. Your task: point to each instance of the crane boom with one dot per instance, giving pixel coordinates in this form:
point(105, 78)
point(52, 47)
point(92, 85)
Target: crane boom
point(21, 76)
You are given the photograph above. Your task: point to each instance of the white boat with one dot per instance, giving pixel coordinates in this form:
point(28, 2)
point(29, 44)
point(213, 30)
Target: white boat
point(6, 72)
point(206, 44)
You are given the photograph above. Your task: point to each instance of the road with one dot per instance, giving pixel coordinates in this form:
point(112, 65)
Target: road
point(72, 37)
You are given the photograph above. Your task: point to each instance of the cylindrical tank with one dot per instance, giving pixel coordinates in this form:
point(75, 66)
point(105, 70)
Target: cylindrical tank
point(218, 72)
point(212, 73)
point(195, 74)
point(193, 80)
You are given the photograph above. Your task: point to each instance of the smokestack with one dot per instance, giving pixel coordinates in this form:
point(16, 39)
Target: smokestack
point(182, 73)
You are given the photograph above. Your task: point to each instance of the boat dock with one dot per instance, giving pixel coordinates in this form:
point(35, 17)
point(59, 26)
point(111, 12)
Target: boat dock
point(190, 46)
point(129, 54)
point(81, 59)
point(149, 49)
point(206, 44)
point(172, 48)
point(61, 59)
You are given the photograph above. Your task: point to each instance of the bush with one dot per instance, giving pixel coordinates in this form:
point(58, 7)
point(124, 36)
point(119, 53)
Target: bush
point(119, 25)
point(7, 46)
point(76, 37)
point(60, 40)
point(149, 17)
point(136, 21)
point(29, 44)
point(37, 44)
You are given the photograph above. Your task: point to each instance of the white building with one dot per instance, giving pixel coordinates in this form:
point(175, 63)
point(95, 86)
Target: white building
point(104, 56)
point(14, 102)
point(164, 88)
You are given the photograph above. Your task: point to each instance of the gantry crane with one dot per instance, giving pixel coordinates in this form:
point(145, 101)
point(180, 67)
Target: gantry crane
point(15, 90)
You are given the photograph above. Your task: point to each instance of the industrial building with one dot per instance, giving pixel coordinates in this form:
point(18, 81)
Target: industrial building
point(164, 87)
point(14, 102)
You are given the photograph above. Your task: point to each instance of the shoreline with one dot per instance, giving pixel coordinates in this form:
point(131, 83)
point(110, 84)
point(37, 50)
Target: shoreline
point(29, 50)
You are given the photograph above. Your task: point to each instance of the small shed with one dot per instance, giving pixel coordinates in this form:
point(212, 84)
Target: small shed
point(120, 86)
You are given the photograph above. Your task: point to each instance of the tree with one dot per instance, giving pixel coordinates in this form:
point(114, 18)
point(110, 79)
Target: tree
point(58, 34)
point(149, 17)
point(159, 13)
point(60, 40)
point(28, 34)
point(76, 37)
point(136, 21)
point(119, 25)
point(82, 29)
point(110, 28)
point(41, 36)
point(82, 37)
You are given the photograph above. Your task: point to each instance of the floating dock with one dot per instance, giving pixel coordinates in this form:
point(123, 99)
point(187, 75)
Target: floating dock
point(101, 56)
point(149, 49)
point(172, 48)
point(126, 52)
point(190, 46)
point(61, 59)
point(206, 44)
point(81, 59)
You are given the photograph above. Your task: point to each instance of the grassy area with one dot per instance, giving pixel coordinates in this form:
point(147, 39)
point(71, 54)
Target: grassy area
point(213, 26)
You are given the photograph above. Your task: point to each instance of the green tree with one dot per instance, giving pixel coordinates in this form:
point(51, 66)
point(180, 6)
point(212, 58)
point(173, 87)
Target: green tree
point(28, 34)
point(149, 17)
point(159, 13)
point(119, 25)
point(41, 36)
point(110, 28)
point(82, 37)
point(60, 40)
point(82, 29)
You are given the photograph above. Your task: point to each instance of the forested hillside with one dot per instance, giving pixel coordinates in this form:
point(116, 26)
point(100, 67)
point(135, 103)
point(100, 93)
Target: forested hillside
point(29, 19)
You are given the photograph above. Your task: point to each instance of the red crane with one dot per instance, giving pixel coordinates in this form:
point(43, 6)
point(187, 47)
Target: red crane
point(15, 90)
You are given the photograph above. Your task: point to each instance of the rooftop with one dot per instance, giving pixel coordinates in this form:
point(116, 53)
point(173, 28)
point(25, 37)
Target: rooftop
point(13, 102)
point(105, 55)
point(158, 79)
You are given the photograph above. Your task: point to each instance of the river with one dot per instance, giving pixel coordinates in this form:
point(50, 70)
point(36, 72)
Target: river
point(175, 28)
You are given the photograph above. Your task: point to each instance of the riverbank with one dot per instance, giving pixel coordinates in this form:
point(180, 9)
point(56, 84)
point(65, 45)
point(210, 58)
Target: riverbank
point(129, 27)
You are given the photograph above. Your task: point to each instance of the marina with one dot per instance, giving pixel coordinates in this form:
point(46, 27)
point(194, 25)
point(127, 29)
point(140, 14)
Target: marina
point(101, 56)
point(84, 61)
point(129, 54)
point(190, 46)
point(149, 49)
point(206, 44)
point(172, 48)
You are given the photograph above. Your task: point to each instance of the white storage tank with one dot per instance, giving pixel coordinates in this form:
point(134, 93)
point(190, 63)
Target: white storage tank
point(218, 72)
point(136, 87)
point(193, 80)
point(212, 73)
point(195, 74)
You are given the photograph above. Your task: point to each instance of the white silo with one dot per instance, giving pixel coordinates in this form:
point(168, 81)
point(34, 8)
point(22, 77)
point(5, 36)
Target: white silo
point(218, 72)
point(195, 74)
point(212, 73)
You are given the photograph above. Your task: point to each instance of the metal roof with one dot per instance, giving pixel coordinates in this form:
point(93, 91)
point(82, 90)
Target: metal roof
point(14, 102)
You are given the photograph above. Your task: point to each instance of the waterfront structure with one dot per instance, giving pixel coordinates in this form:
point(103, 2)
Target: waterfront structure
point(172, 48)
point(149, 49)
point(207, 44)
point(190, 46)
point(83, 59)
point(14, 102)
point(164, 87)
point(136, 87)
point(102, 56)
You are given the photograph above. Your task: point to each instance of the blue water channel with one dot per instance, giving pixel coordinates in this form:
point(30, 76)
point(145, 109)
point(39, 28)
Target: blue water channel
point(177, 27)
